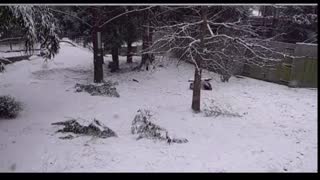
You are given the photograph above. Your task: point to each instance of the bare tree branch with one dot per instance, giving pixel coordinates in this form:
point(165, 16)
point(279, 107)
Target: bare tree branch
point(71, 15)
point(126, 12)
point(8, 39)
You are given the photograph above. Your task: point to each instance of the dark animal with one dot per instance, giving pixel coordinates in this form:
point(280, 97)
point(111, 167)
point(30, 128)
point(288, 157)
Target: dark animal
point(225, 77)
point(112, 67)
point(1, 67)
point(205, 84)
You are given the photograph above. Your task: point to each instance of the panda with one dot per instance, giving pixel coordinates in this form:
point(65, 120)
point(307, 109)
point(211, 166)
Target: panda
point(205, 85)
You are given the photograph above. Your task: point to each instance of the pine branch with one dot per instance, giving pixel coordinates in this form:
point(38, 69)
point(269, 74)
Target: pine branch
point(76, 17)
point(122, 14)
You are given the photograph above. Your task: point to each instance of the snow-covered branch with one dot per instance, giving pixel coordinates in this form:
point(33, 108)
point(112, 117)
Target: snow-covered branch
point(124, 13)
point(226, 42)
point(39, 26)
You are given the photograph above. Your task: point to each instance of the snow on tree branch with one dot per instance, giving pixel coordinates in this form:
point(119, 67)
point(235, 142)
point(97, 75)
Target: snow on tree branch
point(39, 25)
point(225, 41)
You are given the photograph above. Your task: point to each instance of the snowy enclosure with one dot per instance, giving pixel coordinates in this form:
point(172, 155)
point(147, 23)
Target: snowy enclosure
point(276, 132)
point(132, 88)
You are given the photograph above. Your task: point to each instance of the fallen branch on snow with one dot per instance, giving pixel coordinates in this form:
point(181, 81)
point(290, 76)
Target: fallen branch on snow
point(67, 42)
point(94, 129)
point(103, 89)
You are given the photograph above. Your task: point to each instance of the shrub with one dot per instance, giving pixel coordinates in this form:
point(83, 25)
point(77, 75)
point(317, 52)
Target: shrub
point(144, 128)
point(213, 110)
point(9, 107)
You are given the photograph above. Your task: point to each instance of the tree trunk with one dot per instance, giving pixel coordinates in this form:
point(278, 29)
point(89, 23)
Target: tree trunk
point(129, 39)
point(115, 58)
point(196, 90)
point(129, 52)
point(150, 35)
point(144, 56)
point(196, 96)
point(97, 50)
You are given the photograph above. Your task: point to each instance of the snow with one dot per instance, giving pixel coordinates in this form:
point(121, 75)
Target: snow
point(256, 12)
point(134, 44)
point(278, 131)
point(5, 50)
point(310, 44)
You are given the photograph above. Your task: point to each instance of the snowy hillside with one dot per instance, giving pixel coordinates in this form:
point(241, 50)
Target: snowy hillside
point(276, 133)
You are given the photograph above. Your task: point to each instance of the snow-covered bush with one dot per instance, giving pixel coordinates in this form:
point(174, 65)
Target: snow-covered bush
point(144, 128)
point(214, 110)
point(9, 107)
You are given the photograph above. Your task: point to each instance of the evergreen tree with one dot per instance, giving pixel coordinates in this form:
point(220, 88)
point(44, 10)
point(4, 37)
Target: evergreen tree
point(35, 24)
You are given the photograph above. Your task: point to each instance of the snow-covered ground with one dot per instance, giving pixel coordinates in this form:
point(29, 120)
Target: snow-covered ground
point(278, 130)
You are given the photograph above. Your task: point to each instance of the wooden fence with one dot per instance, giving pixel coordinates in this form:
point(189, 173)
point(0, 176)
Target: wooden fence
point(294, 72)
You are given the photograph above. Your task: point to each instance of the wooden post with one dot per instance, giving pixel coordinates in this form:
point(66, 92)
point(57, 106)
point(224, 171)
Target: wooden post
point(129, 52)
point(129, 38)
point(97, 50)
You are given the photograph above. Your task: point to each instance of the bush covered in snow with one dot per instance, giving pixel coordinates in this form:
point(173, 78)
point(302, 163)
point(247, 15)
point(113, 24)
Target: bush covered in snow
point(214, 110)
point(9, 107)
point(142, 126)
